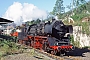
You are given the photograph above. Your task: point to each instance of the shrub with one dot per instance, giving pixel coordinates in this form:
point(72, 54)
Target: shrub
point(75, 43)
point(78, 17)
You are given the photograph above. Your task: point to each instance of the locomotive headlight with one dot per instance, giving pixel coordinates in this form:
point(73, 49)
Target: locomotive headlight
point(56, 43)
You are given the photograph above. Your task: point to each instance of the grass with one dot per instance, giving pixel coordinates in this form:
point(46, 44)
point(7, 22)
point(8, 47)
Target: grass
point(8, 48)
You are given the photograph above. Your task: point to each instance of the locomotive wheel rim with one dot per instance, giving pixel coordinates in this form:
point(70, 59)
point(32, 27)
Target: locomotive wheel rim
point(53, 52)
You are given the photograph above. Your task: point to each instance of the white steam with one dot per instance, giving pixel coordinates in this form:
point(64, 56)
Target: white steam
point(24, 12)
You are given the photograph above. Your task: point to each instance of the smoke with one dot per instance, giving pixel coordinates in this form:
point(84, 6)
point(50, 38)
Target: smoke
point(20, 13)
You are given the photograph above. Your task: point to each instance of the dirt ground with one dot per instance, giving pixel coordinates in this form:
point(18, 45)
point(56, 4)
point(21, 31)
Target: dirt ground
point(31, 55)
point(25, 56)
point(77, 54)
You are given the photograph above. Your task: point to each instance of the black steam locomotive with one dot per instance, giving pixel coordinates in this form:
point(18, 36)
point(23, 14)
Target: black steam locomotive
point(51, 36)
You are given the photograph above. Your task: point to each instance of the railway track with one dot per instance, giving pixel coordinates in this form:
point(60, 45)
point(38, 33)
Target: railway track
point(58, 57)
point(52, 56)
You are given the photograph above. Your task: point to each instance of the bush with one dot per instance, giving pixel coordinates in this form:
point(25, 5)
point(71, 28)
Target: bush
point(78, 17)
point(7, 48)
point(72, 39)
point(74, 43)
point(85, 28)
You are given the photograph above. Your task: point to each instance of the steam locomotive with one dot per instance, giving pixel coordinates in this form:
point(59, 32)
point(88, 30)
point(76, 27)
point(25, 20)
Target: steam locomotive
point(53, 37)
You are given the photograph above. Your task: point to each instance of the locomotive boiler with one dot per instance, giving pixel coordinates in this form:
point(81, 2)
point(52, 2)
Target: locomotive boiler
point(53, 37)
point(55, 29)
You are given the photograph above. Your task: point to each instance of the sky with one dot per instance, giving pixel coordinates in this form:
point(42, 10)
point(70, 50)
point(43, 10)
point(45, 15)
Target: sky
point(42, 4)
point(27, 10)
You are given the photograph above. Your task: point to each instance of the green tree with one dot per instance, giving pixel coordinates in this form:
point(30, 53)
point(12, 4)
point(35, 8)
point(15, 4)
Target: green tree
point(27, 23)
point(58, 8)
point(33, 21)
point(77, 5)
point(38, 21)
point(81, 5)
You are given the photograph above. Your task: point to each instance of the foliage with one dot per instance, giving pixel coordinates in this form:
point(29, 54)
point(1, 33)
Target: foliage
point(88, 6)
point(75, 43)
point(7, 47)
point(66, 22)
point(72, 39)
point(86, 47)
point(58, 8)
point(33, 22)
point(78, 17)
point(77, 6)
point(85, 27)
